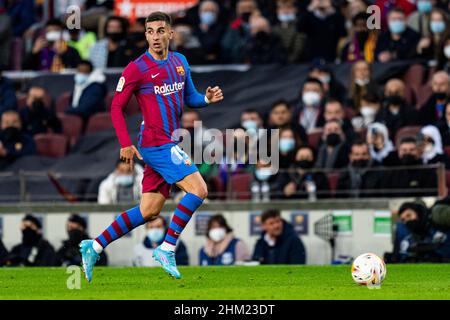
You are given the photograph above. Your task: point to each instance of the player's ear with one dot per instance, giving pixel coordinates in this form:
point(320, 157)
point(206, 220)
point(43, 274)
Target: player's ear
point(171, 33)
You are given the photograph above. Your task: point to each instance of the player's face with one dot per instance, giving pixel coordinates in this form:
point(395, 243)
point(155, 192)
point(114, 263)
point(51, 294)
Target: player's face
point(158, 35)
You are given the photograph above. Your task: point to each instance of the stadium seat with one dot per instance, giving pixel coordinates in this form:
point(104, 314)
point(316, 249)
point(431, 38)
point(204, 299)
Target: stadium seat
point(314, 138)
point(240, 186)
point(414, 77)
point(51, 145)
point(63, 101)
point(423, 95)
point(72, 126)
point(406, 132)
point(333, 178)
point(99, 122)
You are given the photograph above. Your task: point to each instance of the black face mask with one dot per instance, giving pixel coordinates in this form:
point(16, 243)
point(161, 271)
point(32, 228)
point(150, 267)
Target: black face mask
point(115, 36)
point(304, 164)
point(37, 107)
point(409, 160)
point(360, 163)
point(416, 226)
point(136, 36)
point(440, 95)
point(261, 36)
point(11, 134)
point(395, 100)
point(30, 237)
point(75, 236)
point(333, 139)
point(246, 17)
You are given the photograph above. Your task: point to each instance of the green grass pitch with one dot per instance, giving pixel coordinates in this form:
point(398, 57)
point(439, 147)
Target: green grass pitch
point(424, 281)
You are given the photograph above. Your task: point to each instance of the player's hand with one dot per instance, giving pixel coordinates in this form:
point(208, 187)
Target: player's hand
point(127, 155)
point(214, 94)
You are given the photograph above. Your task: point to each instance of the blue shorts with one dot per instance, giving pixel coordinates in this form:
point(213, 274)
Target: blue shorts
point(172, 163)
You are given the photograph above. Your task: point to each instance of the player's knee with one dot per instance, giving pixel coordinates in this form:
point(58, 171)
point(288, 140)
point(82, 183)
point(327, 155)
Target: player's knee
point(149, 211)
point(202, 192)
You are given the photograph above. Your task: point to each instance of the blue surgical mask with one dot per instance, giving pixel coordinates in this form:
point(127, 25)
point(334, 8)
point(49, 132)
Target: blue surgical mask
point(125, 180)
point(437, 26)
point(155, 234)
point(249, 124)
point(208, 18)
point(287, 145)
point(286, 17)
point(397, 26)
point(80, 78)
point(424, 6)
point(263, 174)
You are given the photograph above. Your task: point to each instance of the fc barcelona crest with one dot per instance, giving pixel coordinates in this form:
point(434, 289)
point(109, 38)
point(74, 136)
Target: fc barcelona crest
point(180, 70)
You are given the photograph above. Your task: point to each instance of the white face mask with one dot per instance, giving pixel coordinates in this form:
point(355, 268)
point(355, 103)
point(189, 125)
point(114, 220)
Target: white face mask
point(125, 180)
point(368, 112)
point(362, 82)
point(155, 234)
point(428, 148)
point(217, 234)
point(311, 98)
point(249, 124)
point(263, 174)
point(53, 36)
point(447, 51)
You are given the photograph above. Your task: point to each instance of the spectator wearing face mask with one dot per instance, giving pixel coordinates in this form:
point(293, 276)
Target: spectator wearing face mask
point(432, 146)
point(361, 42)
point(155, 230)
point(361, 82)
point(433, 109)
point(311, 105)
point(288, 144)
point(444, 125)
point(136, 43)
point(105, 53)
point(238, 33)
point(122, 185)
point(332, 88)
point(294, 42)
point(380, 146)
point(396, 112)
point(299, 182)
point(186, 43)
point(444, 56)
point(264, 47)
point(209, 30)
point(361, 179)
point(430, 47)
point(13, 142)
point(8, 100)
point(34, 250)
point(411, 179)
point(251, 122)
point(265, 184)
point(419, 20)
point(334, 150)
point(69, 253)
point(89, 91)
point(399, 42)
point(278, 244)
point(51, 52)
point(322, 21)
point(280, 117)
point(36, 116)
point(370, 106)
point(334, 110)
point(222, 247)
point(82, 41)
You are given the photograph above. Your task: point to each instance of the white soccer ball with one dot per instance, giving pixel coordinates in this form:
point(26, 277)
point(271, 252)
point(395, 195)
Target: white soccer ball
point(365, 268)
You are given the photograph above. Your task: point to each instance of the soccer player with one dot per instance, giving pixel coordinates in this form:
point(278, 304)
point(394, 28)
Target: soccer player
point(161, 81)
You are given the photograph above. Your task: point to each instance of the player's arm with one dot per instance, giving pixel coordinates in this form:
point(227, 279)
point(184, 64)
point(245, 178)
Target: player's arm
point(193, 98)
point(127, 84)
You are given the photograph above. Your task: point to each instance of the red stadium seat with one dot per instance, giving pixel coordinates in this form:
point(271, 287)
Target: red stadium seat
point(51, 145)
point(240, 186)
point(423, 95)
point(314, 138)
point(99, 122)
point(63, 101)
point(406, 132)
point(333, 178)
point(72, 126)
point(21, 100)
point(16, 53)
point(447, 151)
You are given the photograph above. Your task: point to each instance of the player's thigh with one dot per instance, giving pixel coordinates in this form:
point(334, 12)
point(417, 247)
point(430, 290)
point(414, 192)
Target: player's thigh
point(151, 204)
point(194, 183)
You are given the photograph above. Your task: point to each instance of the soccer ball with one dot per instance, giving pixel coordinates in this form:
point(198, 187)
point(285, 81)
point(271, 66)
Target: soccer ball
point(364, 269)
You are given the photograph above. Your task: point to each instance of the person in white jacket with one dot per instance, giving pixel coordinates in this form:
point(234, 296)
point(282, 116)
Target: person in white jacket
point(122, 185)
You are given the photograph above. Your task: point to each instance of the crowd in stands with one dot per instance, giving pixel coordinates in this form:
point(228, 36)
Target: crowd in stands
point(336, 141)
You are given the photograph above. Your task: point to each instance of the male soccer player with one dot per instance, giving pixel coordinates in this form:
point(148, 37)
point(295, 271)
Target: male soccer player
point(161, 81)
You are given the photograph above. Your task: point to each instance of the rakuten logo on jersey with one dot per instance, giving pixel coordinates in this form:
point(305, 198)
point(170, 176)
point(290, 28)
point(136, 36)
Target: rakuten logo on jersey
point(167, 89)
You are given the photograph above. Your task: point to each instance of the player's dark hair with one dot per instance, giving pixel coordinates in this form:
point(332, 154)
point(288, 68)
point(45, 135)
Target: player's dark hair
point(271, 213)
point(87, 63)
point(220, 219)
point(159, 16)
